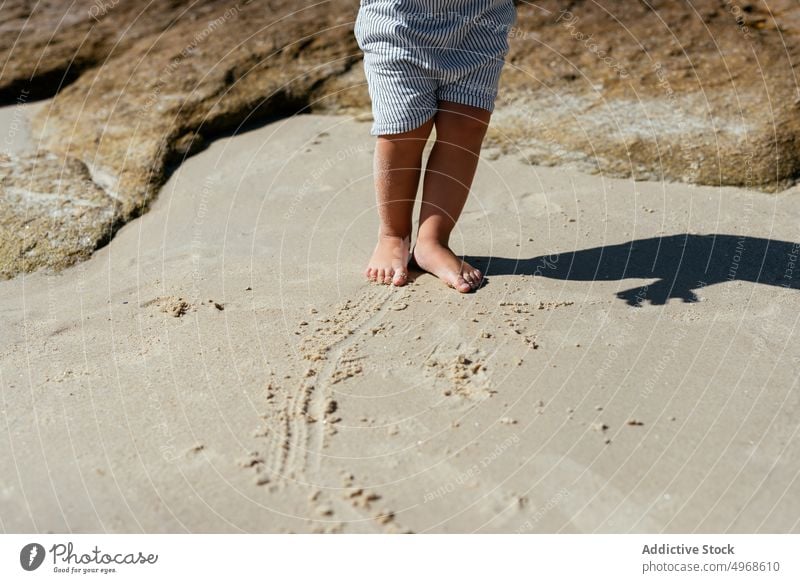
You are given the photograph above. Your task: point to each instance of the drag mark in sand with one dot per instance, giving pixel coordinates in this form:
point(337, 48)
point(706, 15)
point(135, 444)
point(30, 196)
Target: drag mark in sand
point(277, 432)
point(309, 412)
point(335, 344)
point(299, 421)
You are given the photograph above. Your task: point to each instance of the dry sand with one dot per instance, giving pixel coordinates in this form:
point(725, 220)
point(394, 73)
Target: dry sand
point(221, 366)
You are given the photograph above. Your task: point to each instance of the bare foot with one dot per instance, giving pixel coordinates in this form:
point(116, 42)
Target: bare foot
point(389, 261)
point(438, 260)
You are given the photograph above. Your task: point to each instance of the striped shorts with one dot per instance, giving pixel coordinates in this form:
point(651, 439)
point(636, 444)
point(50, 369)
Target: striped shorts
point(419, 52)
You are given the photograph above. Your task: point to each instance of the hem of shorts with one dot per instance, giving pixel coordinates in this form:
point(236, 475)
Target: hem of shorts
point(472, 99)
point(400, 127)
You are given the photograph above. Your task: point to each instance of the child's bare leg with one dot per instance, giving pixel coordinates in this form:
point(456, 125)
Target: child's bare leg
point(448, 177)
point(397, 167)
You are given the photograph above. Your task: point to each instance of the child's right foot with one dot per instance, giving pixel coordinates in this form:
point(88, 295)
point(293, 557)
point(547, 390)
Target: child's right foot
point(389, 261)
point(439, 260)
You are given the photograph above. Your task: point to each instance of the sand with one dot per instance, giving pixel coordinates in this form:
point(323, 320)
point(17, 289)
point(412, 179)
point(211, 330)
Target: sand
point(221, 366)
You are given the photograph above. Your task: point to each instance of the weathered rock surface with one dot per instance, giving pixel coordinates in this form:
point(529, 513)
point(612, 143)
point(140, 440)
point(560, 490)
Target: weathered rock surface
point(160, 96)
point(659, 90)
point(51, 213)
point(161, 99)
point(47, 45)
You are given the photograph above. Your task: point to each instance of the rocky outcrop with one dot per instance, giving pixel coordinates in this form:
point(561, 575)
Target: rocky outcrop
point(51, 213)
point(47, 45)
point(157, 98)
point(703, 93)
point(165, 96)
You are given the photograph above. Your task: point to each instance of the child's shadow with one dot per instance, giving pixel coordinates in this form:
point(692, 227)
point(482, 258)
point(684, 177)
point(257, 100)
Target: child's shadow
point(681, 263)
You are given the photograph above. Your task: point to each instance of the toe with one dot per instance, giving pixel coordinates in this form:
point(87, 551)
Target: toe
point(462, 285)
point(400, 277)
point(370, 274)
point(387, 278)
point(476, 278)
point(379, 275)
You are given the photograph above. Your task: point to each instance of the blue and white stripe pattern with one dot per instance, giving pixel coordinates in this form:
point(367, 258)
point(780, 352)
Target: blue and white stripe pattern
point(419, 52)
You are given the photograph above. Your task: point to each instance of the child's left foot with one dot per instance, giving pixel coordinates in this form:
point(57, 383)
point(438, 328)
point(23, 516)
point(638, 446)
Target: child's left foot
point(438, 260)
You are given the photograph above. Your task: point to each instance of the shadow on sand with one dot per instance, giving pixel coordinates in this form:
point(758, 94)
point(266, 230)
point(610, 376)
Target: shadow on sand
point(680, 263)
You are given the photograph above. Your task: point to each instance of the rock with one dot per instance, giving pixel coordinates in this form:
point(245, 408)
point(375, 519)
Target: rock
point(134, 109)
point(47, 45)
point(199, 80)
point(663, 93)
point(51, 213)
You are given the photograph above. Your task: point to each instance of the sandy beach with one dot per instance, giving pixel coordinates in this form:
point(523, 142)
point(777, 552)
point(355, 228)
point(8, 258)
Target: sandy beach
point(631, 364)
